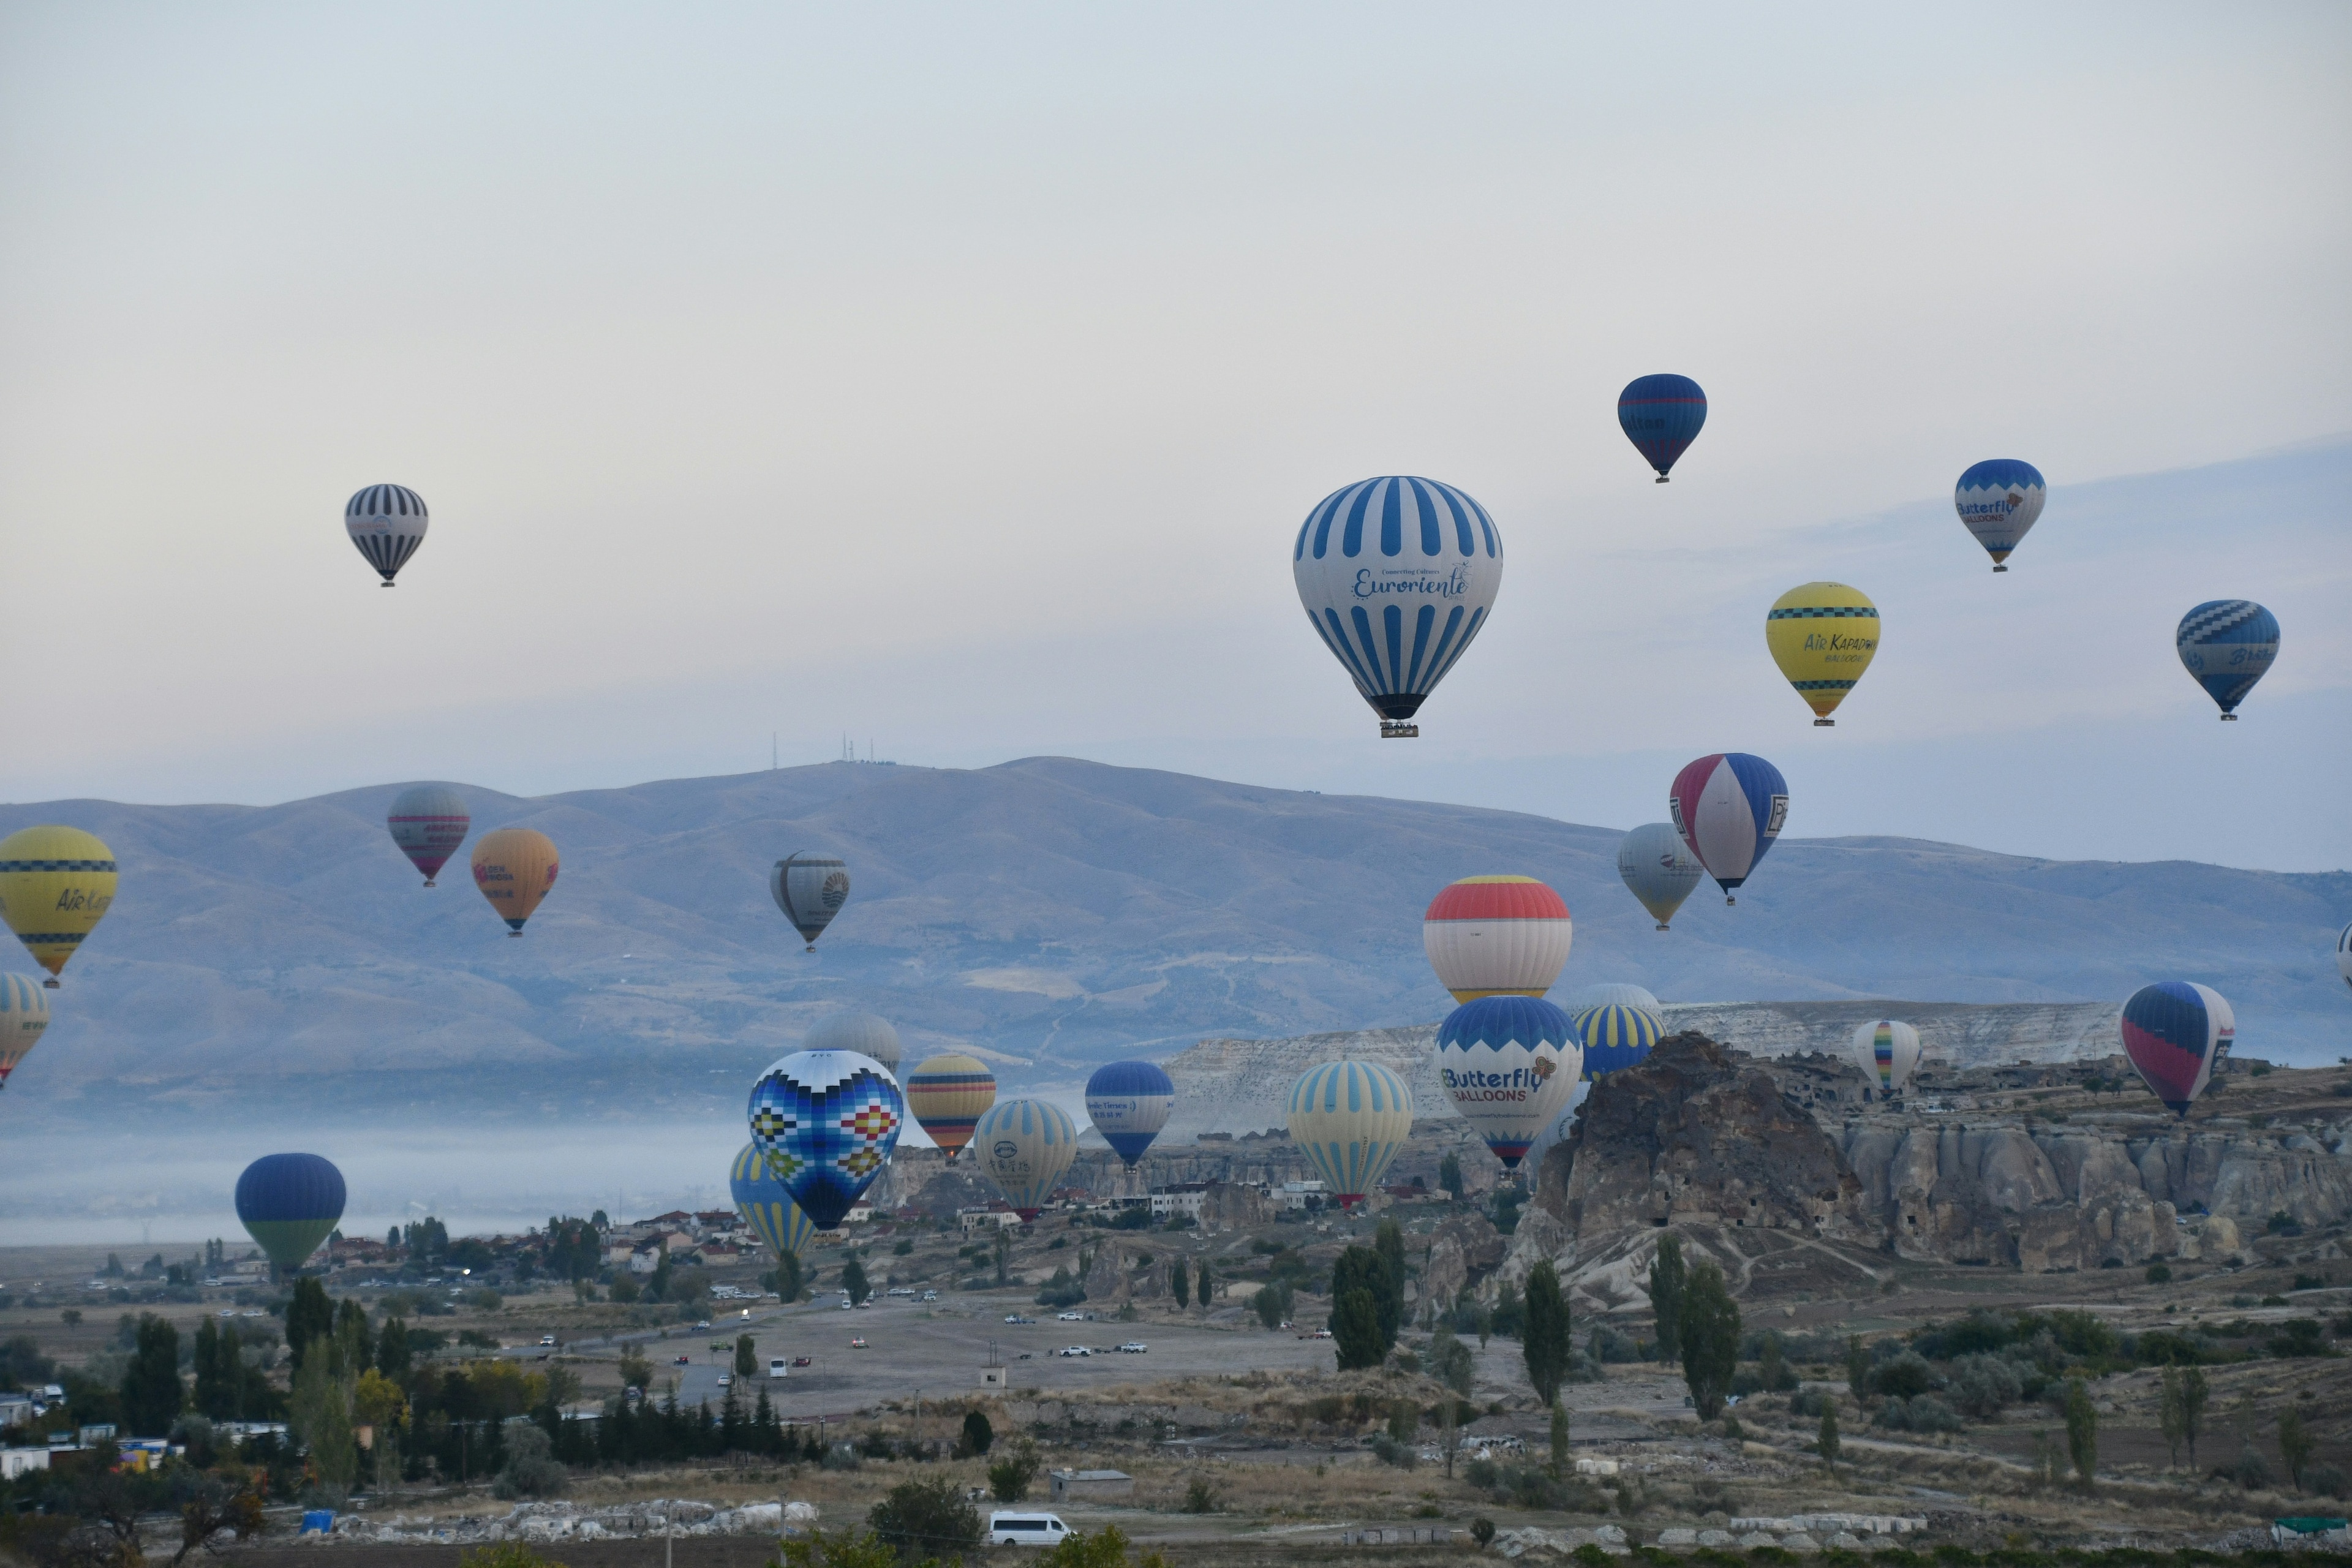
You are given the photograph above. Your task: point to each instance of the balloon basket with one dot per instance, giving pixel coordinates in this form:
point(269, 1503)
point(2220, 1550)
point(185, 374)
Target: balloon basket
point(515, 935)
point(1398, 729)
point(386, 583)
point(1664, 926)
point(1661, 479)
point(2228, 718)
point(431, 883)
point(2000, 568)
point(1824, 723)
point(1729, 899)
point(51, 984)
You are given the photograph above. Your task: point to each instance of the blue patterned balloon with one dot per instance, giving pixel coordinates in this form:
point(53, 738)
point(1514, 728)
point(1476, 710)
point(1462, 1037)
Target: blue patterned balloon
point(1616, 1035)
point(765, 1205)
point(826, 1122)
point(1662, 416)
point(2227, 644)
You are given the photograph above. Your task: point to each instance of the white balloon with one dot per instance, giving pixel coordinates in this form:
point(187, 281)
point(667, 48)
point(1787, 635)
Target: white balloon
point(861, 1032)
point(1610, 993)
point(1659, 868)
point(1887, 1052)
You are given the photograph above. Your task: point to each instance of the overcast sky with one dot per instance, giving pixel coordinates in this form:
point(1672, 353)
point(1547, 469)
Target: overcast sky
point(958, 378)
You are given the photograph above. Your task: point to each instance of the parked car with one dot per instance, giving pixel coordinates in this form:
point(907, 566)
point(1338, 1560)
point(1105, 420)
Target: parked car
point(1134, 1347)
point(1320, 1334)
point(1073, 1349)
point(1007, 1527)
point(704, 1324)
point(1017, 1317)
point(931, 1295)
point(684, 1361)
point(899, 1291)
point(547, 1340)
point(803, 1360)
point(776, 1366)
point(847, 1303)
point(858, 1343)
point(725, 1381)
point(1069, 1316)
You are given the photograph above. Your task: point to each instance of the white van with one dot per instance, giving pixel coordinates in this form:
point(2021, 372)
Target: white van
point(778, 1367)
point(1015, 1528)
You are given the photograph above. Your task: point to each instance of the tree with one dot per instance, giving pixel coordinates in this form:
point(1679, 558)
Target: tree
point(1770, 1367)
point(1668, 1279)
point(2193, 1397)
point(531, 1469)
point(1179, 1284)
point(1356, 1330)
point(1546, 1341)
point(218, 1379)
point(1201, 1284)
point(1387, 1242)
point(925, 1519)
point(152, 1395)
point(2295, 1444)
point(322, 1419)
point(1827, 1444)
point(747, 1357)
point(2172, 1414)
point(1364, 1268)
point(1449, 1177)
point(789, 1282)
point(1450, 1362)
point(637, 1371)
point(308, 1316)
point(1558, 1441)
point(215, 1507)
point(1857, 1367)
point(1707, 1322)
point(391, 1357)
point(1009, 1477)
point(978, 1435)
point(852, 1280)
point(2081, 1432)
point(1273, 1303)
point(1004, 1255)
point(354, 1347)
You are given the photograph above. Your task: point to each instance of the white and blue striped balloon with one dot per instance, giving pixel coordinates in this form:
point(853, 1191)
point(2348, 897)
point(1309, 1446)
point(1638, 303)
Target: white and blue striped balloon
point(1350, 1118)
point(1398, 574)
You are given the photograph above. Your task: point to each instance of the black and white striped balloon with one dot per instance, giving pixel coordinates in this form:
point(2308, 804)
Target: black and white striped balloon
point(387, 523)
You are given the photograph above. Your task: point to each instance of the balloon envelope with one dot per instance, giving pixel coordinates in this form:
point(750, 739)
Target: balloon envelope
point(1398, 574)
point(24, 1018)
point(1728, 808)
point(55, 884)
point(809, 889)
point(2343, 954)
point(946, 1095)
point(1662, 416)
point(2174, 1031)
point(386, 523)
point(1026, 1146)
point(289, 1203)
point(1616, 1035)
point(1822, 635)
point(1610, 992)
point(1350, 1119)
point(1510, 1065)
point(1496, 936)
point(765, 1205)
point(515, 866)
point(1658, 868)
point(428, 822)
point(1129, 1102)
point(826, 1122)
point(1998, 501)
point(2227, 644)
point(861, 1032)
point(1887, 1052)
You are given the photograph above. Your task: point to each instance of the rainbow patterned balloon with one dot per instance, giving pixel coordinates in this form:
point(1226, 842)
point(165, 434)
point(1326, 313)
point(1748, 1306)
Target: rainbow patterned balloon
point(1887, 1051)
point(827, 1122)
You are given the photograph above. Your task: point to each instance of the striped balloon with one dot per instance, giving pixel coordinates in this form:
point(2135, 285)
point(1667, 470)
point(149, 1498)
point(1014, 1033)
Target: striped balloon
point(1998, 501)
point(947, 1097)
point(24, 1018)
point(1728, 808)
point(1610, 993)
point(1616, 1035)
point(1887, 1051)
point(1509, 1063)
point(1397, 575)
point(809, 889)
point(1662, 416)
point(289, 1203)
point(1657, 868)
point(1026, 1147)
point(2174, 1031)
point(1350, 1119)
point(2227, 644)
point(387, 523)
point(428, 822)
point(1496, 936)
point(766, 1206)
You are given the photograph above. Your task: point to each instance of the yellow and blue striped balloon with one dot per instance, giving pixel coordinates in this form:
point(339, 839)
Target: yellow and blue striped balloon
point(766, 1206)
point(1616, 1037)
point(24, 1016)
point(1350, 1118)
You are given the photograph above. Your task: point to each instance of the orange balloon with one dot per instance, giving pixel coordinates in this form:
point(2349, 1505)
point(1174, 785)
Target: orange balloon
point(514, 868)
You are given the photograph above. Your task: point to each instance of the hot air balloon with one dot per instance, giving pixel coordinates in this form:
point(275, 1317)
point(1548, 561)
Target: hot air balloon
point(2227, 644)
point(1610, 993)
point(55, 884)
point(1887, 1051)
point(24, 1016)
point(1026, 1147)
point(1822, 635)
point(1658, 868)
point(1350, 1118)
point(387, 523)
point(1397, 575)
point(1997, 500)
point(1496, 936)
point(289, 1203)
point(1616, 1035)
point(861, 1032)
point(947, 1096)
point(2174, 1031)
point(514, 867)
point(826, 1121)
point(765, 1205)
point(809, 889)
point(1728, 808)
point(1562, 1126)
point(428, 822)
point(1662, 416)
point(2343, 954)
point(1509, 1063)
point(1128, 1103)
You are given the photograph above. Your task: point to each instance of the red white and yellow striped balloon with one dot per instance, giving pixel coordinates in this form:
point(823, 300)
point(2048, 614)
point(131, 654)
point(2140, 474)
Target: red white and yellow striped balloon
point(1496, 936)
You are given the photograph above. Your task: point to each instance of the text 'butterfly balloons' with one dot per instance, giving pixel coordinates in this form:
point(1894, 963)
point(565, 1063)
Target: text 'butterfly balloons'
point(1509, 1063)
point(1728, 808)
point(765, 1205)
point(826, 1122)
point(1662, 416)
point(428, 822)
point(1998, 501)
point(1397, 575)
point(2227, 644)
point(1658, 869)
point(2174, 1031)
point(386, 523)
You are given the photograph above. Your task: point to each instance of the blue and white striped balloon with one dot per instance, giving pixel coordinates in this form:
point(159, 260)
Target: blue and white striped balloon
point(1397, 575)
point(1350, 1118)
point(2227, 644)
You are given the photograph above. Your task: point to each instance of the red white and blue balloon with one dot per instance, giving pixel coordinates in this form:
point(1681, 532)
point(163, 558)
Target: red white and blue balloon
point(1509, 1063)
point(1728, 808)
point(2227, 644)
point(2174, 1031)
point(1397, 575)
point(826, 1122)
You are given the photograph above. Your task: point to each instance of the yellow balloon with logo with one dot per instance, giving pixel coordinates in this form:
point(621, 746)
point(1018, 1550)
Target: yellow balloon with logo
point(1822, 635)
point(514, 868)
point(55, 886)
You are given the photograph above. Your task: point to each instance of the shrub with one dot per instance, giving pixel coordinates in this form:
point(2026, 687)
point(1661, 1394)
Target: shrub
point(2159, 1273)
point(1905, 1376)
point(1921, 1413)
point(2298, 1337)
point(925, 1519)
point(978, 1435)
point(841, 1456)
point(1200, 1496)
point(2252, 1471)
point(1391, 1452)
point(1981, 1384)
point(531, 1468)
point(1009, 1477)
point(1809, 1400)
point(1482, 1530)
point(2326, 1481)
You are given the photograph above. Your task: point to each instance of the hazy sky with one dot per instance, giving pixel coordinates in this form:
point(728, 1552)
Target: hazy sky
point(957, 376)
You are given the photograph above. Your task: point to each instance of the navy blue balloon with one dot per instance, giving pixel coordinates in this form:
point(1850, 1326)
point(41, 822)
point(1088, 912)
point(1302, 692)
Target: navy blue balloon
point(289, 1203)
point(1662, 416)
point(1128, 1103)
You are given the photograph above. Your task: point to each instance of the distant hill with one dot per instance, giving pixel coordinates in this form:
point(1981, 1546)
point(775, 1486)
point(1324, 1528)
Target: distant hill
point(1050, 913)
